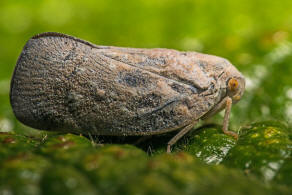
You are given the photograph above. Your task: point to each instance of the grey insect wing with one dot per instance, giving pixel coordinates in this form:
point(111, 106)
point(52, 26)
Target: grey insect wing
point(67, 84)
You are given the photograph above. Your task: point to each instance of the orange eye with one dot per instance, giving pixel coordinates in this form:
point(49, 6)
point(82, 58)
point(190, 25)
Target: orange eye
point(232, 84)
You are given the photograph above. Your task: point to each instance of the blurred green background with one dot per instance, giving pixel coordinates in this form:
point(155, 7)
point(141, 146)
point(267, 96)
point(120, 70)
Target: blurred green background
point(255, 35)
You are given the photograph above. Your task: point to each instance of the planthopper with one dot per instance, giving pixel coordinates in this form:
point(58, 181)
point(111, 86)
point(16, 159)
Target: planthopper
point(62, 83)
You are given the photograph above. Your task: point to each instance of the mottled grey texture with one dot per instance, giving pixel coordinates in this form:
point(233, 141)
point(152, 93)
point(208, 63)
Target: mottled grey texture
point(66, 84)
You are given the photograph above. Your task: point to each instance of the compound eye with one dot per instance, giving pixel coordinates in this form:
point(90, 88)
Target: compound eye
point(233, 84)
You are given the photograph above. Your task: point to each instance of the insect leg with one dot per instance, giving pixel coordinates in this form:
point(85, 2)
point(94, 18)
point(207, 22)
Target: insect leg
point(226, 119)
point(185, 130)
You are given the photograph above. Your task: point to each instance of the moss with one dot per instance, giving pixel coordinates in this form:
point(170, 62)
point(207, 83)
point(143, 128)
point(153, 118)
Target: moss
point(189, 176)
point(71, 164)
point(284, 174)
point(21, 174)
point(66, 148)
point(66, 180)
point(14, 144)
point(113, 168)
point(262, 150)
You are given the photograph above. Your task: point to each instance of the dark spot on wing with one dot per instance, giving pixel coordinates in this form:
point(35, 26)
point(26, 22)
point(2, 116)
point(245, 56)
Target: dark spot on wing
point(131, 80)
point(134, 79)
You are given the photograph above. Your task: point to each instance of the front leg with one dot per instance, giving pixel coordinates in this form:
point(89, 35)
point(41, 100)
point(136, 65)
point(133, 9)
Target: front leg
point(226, 119)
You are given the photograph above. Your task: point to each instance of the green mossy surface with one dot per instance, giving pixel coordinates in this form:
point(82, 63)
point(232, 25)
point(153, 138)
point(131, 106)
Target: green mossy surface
point(67, 148)
point(114, 164)
point(262, 149)
point(12, 144)
point(66, 180)
point(259, 162)
point(285, 171)
point(21, 173)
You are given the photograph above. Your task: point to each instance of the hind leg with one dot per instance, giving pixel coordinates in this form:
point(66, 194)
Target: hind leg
point(179, 135)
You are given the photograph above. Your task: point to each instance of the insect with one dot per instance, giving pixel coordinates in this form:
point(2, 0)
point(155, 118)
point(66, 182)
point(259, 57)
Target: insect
point(62, 83)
